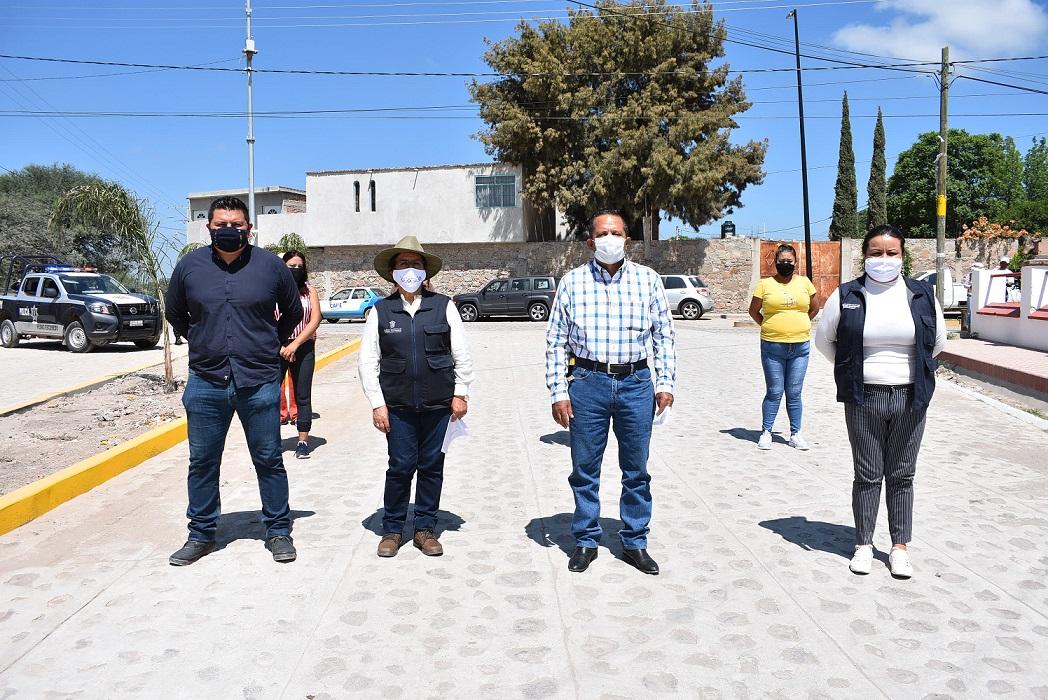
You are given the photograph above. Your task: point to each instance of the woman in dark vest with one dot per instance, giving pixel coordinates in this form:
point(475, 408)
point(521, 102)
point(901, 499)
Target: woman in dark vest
point(416, 370)
point(882, 332)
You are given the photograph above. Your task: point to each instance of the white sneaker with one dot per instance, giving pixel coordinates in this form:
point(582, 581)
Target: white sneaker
point(765, 442)
point(899, 563)
point(798, 442)
point(862, 560)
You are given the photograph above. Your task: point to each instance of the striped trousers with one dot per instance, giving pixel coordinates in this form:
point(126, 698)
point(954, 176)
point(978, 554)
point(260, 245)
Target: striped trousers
point(885, 434)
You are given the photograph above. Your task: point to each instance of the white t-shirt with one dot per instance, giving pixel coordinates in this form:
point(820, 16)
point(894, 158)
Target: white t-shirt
point(889, 350)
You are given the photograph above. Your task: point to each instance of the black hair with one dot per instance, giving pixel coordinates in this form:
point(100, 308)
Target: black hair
point(609, 212)
point(229, 204)
point(786, 248)
point(296, 254)
point(884, 230)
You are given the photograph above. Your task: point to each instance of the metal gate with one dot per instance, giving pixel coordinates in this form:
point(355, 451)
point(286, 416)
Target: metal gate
point(825, 262)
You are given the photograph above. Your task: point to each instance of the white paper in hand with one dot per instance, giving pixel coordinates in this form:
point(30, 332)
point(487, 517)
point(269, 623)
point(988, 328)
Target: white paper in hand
point(456, 429)
point(662, 418)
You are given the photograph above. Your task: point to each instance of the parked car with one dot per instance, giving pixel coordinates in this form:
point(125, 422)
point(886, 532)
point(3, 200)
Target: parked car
point(353, 302)
point(955, 296)
point(529, 297)
point(47, 298)
point(687, 295)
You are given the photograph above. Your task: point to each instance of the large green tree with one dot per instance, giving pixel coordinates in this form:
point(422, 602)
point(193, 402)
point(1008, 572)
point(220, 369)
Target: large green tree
point(621, 107)
point(877, 187)
point(27, 198)
point(845, 194)
point(1035, 170)
point(979, 181)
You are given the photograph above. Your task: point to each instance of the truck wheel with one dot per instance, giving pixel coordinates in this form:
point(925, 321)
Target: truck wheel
point(538, 311)
point(691, 310)
point(8, 334)
point(468, 312)
point(147, 343)
point(76, 338)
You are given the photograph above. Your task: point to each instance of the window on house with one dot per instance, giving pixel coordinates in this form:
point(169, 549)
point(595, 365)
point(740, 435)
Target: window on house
point(356, 196)
point(371, 191)
point(496, 191)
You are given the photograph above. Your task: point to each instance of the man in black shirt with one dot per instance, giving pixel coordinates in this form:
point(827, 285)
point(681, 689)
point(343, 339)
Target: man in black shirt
point(222, 299)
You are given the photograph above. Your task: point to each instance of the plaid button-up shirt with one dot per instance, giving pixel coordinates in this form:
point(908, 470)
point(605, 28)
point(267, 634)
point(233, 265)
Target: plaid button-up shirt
point(613, 319)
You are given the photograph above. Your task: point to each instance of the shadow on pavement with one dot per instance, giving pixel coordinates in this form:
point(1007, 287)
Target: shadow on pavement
point(747, 435)
point(561, 437)
point(247, 525)
point(815, 535)
point(555, 531)
point(289, 444)
point(446, 521)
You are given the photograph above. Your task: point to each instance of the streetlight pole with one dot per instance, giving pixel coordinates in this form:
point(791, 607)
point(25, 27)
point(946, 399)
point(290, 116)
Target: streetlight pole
point(249, 53)
point(804, 153)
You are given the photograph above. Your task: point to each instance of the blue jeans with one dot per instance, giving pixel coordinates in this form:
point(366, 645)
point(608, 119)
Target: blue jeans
point(209, 411)
point(785, 365)
point(414, 441)
point(628, 402)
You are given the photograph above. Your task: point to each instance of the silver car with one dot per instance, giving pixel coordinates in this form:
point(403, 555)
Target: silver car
point(687, 295)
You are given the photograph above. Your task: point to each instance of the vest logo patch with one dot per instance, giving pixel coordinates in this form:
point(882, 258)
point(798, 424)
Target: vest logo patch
point(392, 328)
point(850, 306)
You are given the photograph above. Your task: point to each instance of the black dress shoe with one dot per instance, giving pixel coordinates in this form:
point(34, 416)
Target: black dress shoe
point(282, 548)
point(581, 558)
point(190, 552)
point(640, 559)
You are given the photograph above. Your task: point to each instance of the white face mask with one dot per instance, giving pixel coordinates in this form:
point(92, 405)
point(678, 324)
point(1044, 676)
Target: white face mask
point(609, 249)
point(884, 269)
point(409, 279)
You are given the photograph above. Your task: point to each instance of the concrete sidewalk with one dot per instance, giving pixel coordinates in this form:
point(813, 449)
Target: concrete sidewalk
point(1014, 367)
point(754, 599)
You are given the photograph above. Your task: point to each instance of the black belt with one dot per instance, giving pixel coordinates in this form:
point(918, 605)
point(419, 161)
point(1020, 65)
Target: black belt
point(608, 368)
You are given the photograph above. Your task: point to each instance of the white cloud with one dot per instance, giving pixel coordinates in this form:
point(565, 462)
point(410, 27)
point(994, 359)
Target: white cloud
point(971, 28)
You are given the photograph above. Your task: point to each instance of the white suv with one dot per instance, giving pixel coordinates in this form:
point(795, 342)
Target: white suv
point(687, 295)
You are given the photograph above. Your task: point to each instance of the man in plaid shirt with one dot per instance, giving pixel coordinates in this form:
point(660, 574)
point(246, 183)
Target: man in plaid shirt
point(607, 315)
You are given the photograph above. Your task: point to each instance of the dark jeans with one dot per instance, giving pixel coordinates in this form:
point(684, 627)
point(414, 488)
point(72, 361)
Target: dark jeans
point(209, 411)
point(628, 403)
point(302, 378)
point(414, 441)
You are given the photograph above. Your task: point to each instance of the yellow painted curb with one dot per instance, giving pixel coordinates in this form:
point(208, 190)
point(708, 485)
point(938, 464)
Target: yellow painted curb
point(33, 500)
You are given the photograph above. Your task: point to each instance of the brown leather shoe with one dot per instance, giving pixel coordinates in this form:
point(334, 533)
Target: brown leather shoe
point(390, 543)
point(428, 543)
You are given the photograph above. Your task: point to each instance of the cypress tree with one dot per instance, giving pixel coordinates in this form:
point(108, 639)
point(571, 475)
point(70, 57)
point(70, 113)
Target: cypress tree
point(845, 204)
point(877, 189)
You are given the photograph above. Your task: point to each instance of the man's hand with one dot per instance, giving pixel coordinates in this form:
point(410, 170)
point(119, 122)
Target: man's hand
point(562, 413)
point(380, 417)
point(288, 352)
point(663, 400)
point(458, 407)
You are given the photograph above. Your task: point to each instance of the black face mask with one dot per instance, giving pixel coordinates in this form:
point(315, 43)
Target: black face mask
point(784, 267)
point(229, 239)
point(299, 273)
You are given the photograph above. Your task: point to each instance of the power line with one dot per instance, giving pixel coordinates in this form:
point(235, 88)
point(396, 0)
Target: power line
point(999, 84)
point(106, 75)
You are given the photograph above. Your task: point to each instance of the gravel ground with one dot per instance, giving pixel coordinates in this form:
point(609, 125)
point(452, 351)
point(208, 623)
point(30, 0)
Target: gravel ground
point(53, 435)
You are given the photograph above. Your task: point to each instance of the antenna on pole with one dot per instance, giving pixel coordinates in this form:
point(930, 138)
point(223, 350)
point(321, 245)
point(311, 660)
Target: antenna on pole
point(249, 53)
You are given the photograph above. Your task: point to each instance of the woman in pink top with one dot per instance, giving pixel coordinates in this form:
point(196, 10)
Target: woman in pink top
point(299, 355)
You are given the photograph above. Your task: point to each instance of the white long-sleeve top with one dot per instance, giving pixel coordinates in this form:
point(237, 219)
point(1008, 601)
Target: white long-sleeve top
point(370, 354)
point(889, 351)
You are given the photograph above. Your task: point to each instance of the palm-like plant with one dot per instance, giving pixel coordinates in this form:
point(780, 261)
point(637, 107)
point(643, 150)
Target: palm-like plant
point(108, 206)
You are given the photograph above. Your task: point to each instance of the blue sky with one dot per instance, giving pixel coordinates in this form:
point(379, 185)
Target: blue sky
point(165, 158)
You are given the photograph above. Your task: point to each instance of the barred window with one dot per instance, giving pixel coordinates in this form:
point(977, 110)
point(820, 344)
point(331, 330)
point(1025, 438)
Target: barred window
point(496, 191)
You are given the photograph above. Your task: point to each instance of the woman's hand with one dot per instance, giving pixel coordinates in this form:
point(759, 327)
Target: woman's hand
point(288, 352)
point(380, 417)
point(458, 407)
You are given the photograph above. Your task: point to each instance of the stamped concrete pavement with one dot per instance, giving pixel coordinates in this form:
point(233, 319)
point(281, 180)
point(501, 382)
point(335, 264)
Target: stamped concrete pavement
point(754, 600)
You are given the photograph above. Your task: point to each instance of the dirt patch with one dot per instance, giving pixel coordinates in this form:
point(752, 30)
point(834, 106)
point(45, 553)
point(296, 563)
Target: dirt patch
point(53, 435)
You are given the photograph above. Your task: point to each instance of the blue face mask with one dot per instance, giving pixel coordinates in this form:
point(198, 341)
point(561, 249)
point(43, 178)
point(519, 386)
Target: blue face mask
point(229, 239)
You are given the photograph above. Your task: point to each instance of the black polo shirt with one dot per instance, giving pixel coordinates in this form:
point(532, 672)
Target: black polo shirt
point(226, 312)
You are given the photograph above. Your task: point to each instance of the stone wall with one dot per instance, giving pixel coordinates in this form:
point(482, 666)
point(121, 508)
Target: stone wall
point(725, 265)
point(959, 255)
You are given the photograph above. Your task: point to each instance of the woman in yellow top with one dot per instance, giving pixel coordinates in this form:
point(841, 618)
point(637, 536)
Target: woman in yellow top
point(783, 306)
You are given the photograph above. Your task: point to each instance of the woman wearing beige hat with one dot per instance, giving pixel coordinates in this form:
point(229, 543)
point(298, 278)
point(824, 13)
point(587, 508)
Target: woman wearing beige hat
point(416, 370)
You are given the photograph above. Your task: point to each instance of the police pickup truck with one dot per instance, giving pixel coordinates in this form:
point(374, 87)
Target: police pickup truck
point(46, 298)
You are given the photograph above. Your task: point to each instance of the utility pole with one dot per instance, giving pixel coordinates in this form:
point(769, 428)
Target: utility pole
point(940, 178)
point(804, 153)
point(249, 53)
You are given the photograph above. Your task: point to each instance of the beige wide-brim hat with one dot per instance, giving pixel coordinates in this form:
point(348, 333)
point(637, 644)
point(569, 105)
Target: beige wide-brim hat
point(407, 244)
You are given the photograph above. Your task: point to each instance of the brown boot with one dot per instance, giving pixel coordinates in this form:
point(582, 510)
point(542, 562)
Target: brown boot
point(389, 545)
point(428, 543)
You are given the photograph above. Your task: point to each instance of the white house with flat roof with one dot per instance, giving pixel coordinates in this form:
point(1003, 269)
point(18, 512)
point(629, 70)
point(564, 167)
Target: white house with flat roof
point(470, 203)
